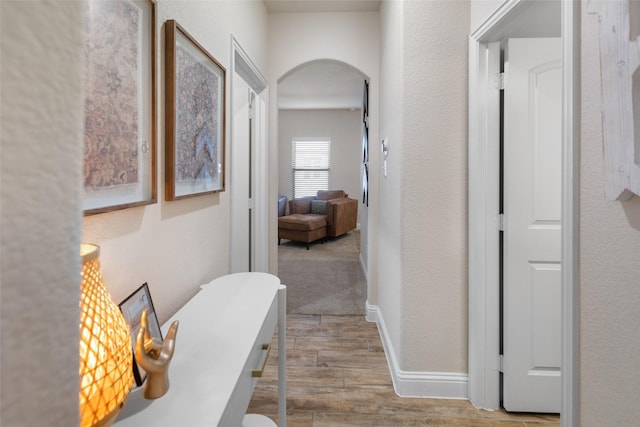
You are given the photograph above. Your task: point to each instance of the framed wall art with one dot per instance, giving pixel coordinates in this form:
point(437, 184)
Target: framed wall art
point(119, 107)
point(195, 117)
point(132, 308)
point(365, 144)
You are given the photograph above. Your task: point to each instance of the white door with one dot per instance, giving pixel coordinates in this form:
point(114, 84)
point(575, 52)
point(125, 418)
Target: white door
point(532, 219)
point(240, 256)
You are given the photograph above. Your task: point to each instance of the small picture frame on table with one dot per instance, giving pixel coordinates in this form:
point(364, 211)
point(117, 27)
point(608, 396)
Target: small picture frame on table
point(132, 308)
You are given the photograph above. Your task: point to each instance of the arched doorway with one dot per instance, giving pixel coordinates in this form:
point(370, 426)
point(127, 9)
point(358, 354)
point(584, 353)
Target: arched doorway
point(323, 100)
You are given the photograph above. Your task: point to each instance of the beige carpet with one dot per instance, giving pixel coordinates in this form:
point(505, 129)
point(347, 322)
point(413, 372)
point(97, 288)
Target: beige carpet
point(326, 279)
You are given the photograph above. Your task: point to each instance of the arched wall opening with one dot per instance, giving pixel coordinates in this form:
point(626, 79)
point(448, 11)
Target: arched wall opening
point(352, 39)
point(328, 98)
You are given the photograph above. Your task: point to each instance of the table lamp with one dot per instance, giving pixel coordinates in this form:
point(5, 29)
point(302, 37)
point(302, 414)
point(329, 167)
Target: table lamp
point(105, 347)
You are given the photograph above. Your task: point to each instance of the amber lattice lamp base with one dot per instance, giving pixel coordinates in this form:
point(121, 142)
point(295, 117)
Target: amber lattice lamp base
point(105, 347)
point(110, 418)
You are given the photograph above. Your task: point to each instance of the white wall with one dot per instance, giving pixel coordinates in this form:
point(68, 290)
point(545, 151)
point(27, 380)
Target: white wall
point(342, 127)
point(422, 228)
point(434, 187)
point(609, 268)
point(40, 169)
point(177, 246)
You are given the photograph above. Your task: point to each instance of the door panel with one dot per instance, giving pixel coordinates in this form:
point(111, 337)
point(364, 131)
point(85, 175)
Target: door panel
point(545, 304)
point(532, 239)
point(545, 94)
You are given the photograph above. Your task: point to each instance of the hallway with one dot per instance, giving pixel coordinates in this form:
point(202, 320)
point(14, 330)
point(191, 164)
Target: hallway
point(337, 376)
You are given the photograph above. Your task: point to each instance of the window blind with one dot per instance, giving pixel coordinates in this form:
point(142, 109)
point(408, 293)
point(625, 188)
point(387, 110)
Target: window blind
point(310, 166)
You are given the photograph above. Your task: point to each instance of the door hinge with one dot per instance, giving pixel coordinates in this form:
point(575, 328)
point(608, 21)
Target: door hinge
point(252, 112)
point(500, 81)
point(501, 362)
point(501, 222)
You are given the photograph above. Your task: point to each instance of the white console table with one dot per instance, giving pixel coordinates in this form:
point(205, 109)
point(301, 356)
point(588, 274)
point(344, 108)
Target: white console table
point(221, 347)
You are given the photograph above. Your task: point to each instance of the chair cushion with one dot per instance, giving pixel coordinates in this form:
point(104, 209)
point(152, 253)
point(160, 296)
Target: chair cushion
point(319, 207)
point(302, 222)
point(301, 205)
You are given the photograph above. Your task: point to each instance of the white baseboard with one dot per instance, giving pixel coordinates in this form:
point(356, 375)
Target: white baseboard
point(435, 385)
point(371, 313)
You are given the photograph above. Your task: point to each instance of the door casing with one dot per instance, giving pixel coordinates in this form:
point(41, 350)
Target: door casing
point(241, 247)
point(246, 69)
point(484, 121)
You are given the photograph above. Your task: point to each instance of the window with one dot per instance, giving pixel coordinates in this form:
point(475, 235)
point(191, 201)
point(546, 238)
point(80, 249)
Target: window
point(310, 166)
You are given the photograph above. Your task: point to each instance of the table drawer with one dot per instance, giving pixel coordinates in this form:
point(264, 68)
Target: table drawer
point(239, 401)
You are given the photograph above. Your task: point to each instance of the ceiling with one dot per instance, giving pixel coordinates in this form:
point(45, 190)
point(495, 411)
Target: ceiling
point(321, 84)
point(310, 6)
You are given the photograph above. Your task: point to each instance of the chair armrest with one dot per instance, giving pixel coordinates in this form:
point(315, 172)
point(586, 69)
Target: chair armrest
point(342, 215)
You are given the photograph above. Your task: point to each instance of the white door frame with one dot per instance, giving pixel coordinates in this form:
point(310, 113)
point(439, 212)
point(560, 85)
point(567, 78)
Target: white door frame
point(244, 66)
point(484, 338)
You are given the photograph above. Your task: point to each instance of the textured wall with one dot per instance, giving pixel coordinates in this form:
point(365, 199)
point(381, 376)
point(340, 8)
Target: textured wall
point(423, 211)
point(176, 246)
point(609, 269)
point(41, 157)
point(434, 186)
point(297, 38)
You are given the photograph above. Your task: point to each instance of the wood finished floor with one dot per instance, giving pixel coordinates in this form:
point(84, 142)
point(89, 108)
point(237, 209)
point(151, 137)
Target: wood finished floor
point(337, 376)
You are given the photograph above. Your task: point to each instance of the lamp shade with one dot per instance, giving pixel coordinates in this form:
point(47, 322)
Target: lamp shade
point(105, 347)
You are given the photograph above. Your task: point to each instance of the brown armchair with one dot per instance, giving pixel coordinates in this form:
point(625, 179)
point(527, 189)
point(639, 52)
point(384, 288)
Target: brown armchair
point(341, 211)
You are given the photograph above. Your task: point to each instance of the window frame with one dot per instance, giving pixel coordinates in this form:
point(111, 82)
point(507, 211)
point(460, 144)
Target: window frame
point(294, 169)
